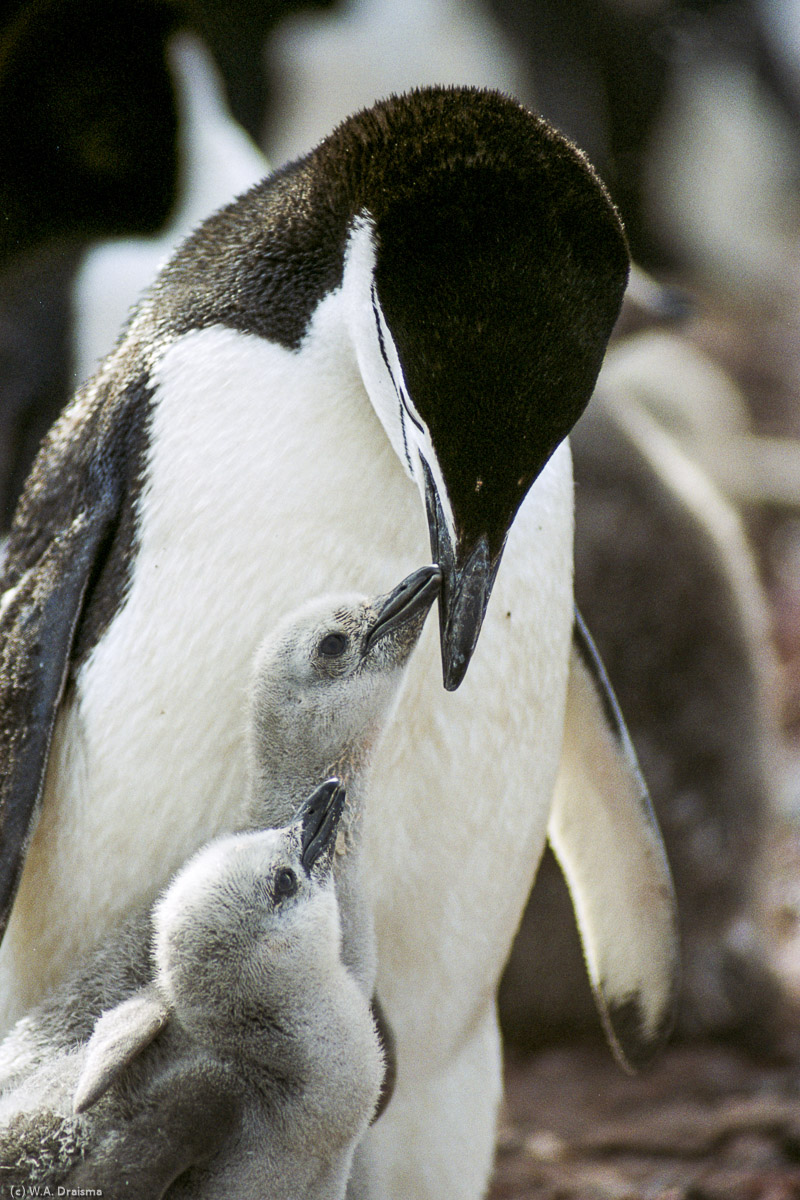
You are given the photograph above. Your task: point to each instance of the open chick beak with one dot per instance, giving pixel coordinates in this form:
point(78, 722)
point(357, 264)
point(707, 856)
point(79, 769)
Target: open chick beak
point(320, 818)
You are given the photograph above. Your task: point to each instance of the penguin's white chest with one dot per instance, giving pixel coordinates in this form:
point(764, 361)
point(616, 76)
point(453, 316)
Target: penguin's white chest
point(270, 480)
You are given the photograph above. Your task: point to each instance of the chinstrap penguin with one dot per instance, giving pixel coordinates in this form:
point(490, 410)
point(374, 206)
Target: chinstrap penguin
point(323, 684)
point(383, 345)
point(252, 1052)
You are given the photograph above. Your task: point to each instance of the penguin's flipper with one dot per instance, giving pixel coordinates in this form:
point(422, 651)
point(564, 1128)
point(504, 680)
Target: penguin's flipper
point(119, 1035)
point(38, 619)
point(604, 834)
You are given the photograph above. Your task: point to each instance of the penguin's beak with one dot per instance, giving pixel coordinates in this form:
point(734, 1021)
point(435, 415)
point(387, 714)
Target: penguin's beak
point(411, 598)
point(320, 817)
point(467, 583)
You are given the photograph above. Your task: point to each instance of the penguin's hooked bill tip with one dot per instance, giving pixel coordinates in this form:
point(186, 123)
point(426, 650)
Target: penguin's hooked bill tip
point(465, 596)
point(467, 580)
point(320, 816)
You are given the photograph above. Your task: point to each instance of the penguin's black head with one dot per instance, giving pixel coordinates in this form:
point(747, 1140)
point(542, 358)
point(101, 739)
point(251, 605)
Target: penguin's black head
point(499, 269)
point(481, 267)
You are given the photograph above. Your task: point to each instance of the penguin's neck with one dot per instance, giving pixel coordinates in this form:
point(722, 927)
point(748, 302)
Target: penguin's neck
point(285, 779)
point(265, 1029)
point(312, 1059)
point(282, 785)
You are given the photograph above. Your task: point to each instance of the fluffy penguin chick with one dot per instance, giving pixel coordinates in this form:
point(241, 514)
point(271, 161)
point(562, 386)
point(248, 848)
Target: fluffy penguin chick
point(253, 1052)
point(323, 685)
point(285, 1014)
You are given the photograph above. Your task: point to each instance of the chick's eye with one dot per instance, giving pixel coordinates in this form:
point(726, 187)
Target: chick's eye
point(285, 883)
point(333, 644)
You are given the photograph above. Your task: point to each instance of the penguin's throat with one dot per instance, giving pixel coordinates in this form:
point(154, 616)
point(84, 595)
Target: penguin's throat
point(288, 790)
point(351, 767)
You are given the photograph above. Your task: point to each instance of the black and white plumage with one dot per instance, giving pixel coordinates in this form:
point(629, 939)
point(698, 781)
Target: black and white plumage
point(385, 343)
point(65, 297)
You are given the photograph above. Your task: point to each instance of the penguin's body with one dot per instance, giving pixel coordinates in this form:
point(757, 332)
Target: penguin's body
point(401, 326)
point(248, 1063)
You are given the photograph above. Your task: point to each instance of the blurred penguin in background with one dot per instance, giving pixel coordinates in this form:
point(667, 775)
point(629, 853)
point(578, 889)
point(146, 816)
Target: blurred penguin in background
point(121, 127)
point(668, 583)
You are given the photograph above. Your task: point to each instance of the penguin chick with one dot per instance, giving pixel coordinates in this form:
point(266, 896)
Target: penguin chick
point(323, 686)
point(251, 1012)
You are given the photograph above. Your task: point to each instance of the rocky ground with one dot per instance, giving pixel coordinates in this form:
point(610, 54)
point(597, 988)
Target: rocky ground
point(704, 1123)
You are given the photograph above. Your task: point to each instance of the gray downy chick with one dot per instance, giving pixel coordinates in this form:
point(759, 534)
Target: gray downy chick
point(324, 685)
point(251, 1066)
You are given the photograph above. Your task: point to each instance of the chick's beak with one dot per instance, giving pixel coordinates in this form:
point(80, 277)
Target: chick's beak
point(320, 818)
point(410, 599)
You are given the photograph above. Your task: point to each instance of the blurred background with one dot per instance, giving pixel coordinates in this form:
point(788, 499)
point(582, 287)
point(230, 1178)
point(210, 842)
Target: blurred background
point(124, 122)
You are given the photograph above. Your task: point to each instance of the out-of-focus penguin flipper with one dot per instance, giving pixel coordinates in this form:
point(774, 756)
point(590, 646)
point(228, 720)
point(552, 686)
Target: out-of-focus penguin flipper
point(604, 834)
point(38, 619)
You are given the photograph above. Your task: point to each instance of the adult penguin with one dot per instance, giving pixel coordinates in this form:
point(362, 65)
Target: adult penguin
point(377, 352)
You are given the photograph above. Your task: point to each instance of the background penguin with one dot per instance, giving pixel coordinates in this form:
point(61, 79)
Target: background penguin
point(398, 329)
point(111, 168)
point(251, 1011)
point(323, 685)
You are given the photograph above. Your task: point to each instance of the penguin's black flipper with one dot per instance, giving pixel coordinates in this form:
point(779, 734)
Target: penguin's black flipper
point(605, 836)
point(62, 580)
point(37, 628)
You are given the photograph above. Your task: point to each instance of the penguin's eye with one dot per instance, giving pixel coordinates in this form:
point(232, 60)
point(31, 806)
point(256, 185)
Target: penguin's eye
point(333, 644)
point(285, 883)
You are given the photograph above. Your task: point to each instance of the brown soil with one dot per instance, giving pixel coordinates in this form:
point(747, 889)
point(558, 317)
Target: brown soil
point(704, 1123)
